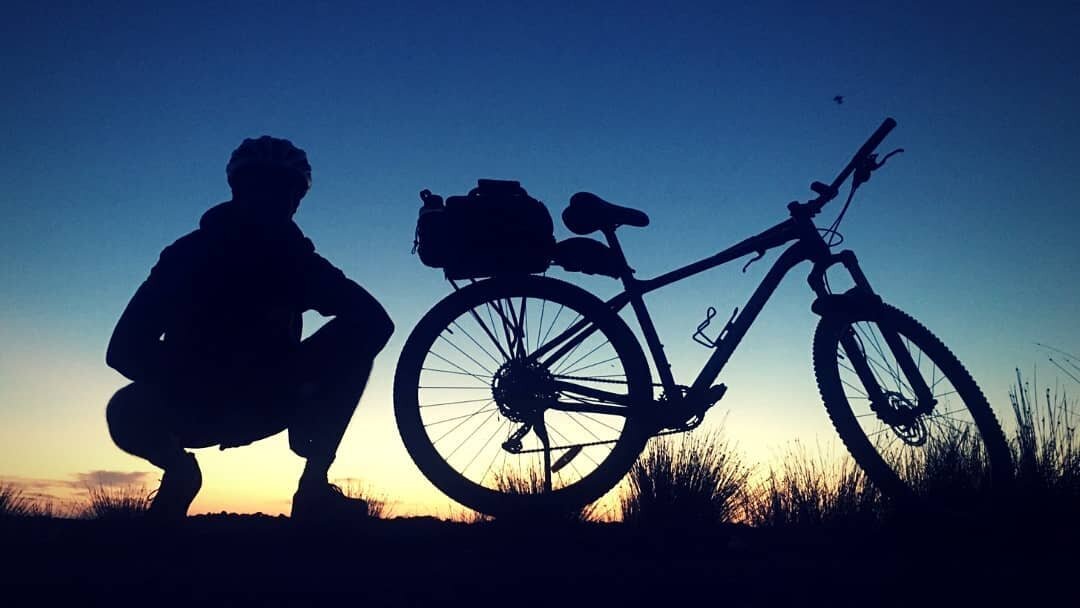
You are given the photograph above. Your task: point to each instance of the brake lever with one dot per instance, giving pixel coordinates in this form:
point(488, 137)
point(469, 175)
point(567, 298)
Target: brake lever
point(887, 156)
point(870, 164)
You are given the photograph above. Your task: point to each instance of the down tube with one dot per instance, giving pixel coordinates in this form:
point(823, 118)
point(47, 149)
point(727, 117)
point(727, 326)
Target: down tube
point(791, 257)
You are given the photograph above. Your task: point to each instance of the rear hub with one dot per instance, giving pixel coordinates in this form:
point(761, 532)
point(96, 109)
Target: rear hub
point(523, 389)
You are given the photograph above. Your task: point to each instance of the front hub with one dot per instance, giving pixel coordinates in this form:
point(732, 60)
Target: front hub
point(902, 416)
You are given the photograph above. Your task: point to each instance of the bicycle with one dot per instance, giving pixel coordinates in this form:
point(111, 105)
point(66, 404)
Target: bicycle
point(547, 397)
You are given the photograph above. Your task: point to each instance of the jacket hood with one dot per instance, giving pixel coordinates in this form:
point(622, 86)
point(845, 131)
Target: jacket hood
point(236, 222)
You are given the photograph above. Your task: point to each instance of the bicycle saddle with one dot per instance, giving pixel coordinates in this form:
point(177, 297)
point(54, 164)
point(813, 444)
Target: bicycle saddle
point(589, 213)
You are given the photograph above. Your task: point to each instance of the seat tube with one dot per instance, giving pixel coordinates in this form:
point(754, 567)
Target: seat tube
point(637, 302)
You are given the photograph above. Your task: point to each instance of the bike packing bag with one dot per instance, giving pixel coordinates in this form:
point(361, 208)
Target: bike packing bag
point(581, 254)
point(496, 229)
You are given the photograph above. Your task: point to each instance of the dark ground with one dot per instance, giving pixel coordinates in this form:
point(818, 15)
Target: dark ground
point(230, 560)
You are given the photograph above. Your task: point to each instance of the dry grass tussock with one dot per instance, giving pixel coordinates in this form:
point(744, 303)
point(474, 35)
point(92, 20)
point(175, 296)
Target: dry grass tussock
point(512, 481)
point(379, 505)
point(815, 490)
point(686, 480)
point(1046, 449)
point(115, 503)
point(14, 502)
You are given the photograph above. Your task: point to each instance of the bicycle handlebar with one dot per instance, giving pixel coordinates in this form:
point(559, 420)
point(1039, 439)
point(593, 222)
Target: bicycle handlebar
point(827, 193)
point(867, 148)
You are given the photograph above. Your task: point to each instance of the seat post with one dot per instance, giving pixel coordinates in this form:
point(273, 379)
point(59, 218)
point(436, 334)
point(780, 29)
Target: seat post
point(613, 242)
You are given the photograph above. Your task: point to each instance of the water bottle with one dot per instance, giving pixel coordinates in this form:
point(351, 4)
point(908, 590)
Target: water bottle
point(428, 230)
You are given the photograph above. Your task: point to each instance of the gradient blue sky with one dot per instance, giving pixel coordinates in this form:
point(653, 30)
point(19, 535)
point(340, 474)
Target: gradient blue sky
point(118, 117)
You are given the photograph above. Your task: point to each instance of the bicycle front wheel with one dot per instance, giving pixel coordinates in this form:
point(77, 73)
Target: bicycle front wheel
point(522, 394)
point(948, 453)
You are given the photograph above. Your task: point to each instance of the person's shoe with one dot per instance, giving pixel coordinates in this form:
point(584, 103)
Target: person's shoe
point(179, 485)
point(326, 502)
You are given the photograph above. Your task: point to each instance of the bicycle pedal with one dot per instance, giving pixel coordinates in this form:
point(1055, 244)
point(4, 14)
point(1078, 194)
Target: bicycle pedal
point(714, 393)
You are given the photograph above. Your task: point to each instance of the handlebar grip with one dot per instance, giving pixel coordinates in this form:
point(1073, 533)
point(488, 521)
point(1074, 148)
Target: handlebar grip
point(875, 140)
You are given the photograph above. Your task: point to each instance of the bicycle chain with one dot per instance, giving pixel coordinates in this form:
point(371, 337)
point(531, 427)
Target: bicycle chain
point(599, 380)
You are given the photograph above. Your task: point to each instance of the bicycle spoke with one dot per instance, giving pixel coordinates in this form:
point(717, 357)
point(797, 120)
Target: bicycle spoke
point(862, 350)
point(581, 369)
point(482, 379)
point(855, 388)
point(558, 313)
point(893, 373)
point(540, 324)
point(466, 440)
point(502, 426)
point(467, 356)
point(586, 356)
point(569, 442)
point(601, 423)
point(481, 450)
point(471, 338)
point(431, 424)
point(446, 371)
point(587, 429)
point(455, 402)
point(489, 331)
point(458, 425)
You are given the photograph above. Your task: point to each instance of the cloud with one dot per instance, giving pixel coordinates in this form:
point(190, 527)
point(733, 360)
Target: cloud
point(82, 481)
point(110, 479)
point(27, 484)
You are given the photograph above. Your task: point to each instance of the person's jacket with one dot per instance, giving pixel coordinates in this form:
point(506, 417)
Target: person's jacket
point(230, 296)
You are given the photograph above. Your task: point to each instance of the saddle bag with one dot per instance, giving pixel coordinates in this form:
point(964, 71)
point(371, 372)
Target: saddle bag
point(497, 228)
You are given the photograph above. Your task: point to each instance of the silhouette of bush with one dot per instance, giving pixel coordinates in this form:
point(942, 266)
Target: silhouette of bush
point(1046, 451)
point(378, 503)
point(464, 515)
point(815, 491)
point(952, 473)
point(15, 503)
point(512, 481)
point(686, 481)
point(115, 503)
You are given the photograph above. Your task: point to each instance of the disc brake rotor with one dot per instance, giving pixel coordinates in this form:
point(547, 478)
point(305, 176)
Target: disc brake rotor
point(903, 418)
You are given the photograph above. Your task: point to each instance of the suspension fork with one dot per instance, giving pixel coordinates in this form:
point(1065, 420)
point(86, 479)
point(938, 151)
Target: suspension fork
point(862, 296)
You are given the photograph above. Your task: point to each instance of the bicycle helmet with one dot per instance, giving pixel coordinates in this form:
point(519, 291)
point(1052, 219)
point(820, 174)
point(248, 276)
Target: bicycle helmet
point(268, 155)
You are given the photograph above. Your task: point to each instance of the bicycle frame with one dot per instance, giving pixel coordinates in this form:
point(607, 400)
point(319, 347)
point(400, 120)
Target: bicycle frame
point(804, 249)
point(809, 246)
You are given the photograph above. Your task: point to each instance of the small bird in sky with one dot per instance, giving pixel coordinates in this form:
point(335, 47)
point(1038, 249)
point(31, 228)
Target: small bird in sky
point(839, 99)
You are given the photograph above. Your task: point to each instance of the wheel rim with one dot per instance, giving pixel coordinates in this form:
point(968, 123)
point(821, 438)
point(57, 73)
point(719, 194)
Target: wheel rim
point(484, 405)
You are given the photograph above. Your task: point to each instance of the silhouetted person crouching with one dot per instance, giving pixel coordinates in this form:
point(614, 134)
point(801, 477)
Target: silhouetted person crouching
point(211, 340)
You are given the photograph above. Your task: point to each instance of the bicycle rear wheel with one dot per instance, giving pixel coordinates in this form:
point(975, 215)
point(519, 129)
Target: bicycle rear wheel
point(505, 415)
point(951, 453)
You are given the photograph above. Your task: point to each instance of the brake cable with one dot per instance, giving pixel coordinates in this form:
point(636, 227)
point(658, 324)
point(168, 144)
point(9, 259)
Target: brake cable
point(869, 164)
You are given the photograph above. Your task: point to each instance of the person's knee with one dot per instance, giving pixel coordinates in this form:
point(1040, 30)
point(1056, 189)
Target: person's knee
point(365, 336)
point(382, 333)
point(129, 417)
